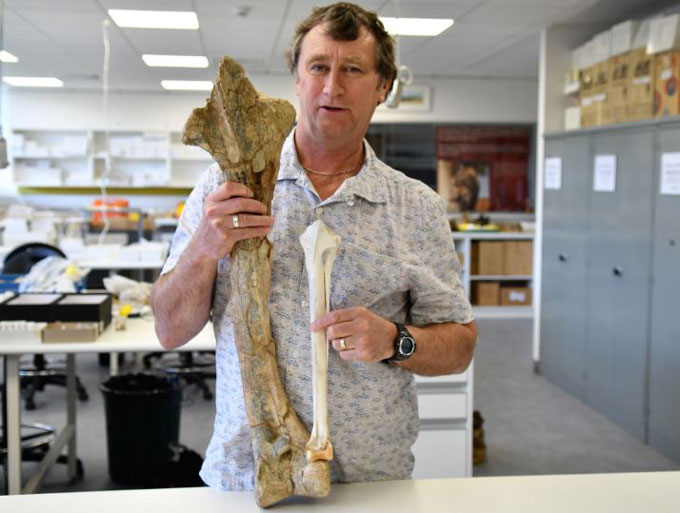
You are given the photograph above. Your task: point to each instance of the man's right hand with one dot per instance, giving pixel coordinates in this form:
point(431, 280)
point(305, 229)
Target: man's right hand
point(216, 234)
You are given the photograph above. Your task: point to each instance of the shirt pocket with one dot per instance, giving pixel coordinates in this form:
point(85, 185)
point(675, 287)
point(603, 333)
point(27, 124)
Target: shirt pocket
point(362, 277)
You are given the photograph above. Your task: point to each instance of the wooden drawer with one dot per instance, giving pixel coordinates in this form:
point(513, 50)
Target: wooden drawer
point(441, 453)
point(442, 406)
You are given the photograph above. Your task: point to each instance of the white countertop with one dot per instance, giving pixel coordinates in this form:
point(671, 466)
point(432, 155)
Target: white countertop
point(654, 492)
point(139, 336)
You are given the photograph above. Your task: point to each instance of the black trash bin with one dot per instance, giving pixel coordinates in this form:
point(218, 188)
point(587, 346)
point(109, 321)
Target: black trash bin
point(142, 420)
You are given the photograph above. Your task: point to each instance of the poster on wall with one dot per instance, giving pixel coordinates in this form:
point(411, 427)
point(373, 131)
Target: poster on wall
point(483, 168)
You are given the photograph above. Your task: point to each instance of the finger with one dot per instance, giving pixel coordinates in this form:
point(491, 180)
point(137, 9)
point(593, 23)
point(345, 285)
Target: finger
point(341, 330)
point(350, 355)
point(334, 317)
point(249, 233)
point(234, 206)
point(337, 344)
point(229, 190)
point(250, 221)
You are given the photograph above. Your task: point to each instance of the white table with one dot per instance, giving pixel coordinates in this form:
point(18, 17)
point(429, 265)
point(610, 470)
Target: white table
point(657, 492)
point(139, 336)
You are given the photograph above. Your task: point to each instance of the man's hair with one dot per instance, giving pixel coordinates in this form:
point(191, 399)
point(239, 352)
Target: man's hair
point(344, 24)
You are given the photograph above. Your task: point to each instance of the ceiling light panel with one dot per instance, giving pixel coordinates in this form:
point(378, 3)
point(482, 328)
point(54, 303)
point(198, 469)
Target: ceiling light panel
point(180, 20)
point(187, 85)
point(33, 81)
point(5, 56)
point(416, 26)
point(175, 61)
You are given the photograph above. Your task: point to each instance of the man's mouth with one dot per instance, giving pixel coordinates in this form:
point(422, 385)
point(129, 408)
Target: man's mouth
point(331, 109)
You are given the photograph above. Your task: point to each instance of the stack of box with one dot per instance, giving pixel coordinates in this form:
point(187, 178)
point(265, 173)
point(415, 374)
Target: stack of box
point(501, 258)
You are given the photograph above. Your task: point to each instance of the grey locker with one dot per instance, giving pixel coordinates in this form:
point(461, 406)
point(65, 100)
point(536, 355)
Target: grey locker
point(563, 290)
point(664, 367)
point(619, 280)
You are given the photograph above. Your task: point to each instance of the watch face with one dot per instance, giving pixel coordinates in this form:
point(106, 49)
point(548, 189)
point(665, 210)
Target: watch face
point(406, 346)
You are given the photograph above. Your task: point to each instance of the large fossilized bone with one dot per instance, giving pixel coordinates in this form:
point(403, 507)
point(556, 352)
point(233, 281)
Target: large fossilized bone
point(244, 132)
point(320, 245)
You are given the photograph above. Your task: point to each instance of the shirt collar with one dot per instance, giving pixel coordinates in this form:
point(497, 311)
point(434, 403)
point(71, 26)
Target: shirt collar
point(366, 184)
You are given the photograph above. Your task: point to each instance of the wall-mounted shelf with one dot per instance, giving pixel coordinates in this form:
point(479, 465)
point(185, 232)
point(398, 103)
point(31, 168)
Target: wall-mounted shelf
point(77, 159)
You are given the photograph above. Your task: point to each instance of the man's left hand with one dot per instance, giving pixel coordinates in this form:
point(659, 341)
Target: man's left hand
point(358, 334)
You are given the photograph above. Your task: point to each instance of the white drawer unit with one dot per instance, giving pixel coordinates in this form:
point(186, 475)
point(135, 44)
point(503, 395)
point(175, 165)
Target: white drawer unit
point(441, 453)
point(444, 444)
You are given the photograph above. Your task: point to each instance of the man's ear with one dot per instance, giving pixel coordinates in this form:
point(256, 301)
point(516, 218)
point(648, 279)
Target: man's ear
point(384, 88)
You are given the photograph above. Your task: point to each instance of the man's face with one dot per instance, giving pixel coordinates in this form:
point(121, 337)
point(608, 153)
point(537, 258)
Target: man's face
point(338, 85)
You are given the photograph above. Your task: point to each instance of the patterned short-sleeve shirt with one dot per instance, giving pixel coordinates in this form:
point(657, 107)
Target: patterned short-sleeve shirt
point(396, 257)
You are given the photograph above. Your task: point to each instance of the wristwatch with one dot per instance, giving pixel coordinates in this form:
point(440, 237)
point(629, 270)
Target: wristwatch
point(404, 345)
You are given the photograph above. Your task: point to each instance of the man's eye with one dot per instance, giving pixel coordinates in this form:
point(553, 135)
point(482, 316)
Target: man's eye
point(354, 69)
point(317, 68)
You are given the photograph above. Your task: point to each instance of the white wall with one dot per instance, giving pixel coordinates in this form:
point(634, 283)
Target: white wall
point(452, 101)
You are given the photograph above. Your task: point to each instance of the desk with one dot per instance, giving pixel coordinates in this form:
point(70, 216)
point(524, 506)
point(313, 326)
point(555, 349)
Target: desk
point(657, 492)
point(139, 336)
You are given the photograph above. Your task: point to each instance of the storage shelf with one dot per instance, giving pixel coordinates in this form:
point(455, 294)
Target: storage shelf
point(48, 157)
point(69, 189)
point(493, 235)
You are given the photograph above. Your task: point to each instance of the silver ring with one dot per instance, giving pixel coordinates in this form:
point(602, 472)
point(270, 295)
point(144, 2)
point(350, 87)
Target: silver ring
point(234, 220)
point(343, 346)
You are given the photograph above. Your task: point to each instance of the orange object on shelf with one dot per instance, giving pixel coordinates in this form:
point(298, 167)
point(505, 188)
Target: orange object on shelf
point(112, 203)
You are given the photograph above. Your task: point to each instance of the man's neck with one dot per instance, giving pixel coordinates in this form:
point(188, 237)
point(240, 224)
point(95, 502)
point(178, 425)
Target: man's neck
point(327, 157)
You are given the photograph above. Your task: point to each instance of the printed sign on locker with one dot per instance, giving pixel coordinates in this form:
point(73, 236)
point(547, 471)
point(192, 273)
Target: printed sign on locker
point(553, 173)
point(604, 175)
point(670, 173)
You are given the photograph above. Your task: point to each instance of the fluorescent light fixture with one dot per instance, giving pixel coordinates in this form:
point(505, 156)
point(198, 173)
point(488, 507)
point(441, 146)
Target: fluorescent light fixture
point(5, 56)
point(416, 26)
point(34, 81)
point(175, 61)
point(183, 20)
point(187, 85)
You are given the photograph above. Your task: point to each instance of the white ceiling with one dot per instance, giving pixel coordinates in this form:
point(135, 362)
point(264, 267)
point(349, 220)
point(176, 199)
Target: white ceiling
point(63, 38)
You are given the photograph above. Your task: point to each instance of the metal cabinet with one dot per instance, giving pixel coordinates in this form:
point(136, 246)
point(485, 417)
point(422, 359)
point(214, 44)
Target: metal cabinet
point(563, 292)
point(664, 365)
point(619, 238)
point(610, 323)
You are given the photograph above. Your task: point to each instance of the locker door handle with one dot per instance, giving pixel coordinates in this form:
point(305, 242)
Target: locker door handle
point(563, 257)
point(618, 271)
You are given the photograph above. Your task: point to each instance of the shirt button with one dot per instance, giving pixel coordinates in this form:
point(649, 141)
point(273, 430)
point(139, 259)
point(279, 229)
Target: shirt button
point(304, 303)
point(350, 202)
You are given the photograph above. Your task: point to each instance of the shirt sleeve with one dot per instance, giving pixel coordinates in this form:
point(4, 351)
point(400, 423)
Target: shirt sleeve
point(191, 215)
point(437, 293)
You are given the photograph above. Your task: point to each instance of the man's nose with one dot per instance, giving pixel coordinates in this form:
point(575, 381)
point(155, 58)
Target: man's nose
point(333, 85)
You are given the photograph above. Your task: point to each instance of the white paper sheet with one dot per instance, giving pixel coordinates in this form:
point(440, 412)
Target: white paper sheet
point(670, 173)
point(604, 176)
point(553, 173)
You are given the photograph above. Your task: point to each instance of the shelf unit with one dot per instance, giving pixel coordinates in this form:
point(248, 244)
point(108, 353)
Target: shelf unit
point(463, 242)
point(78, 159)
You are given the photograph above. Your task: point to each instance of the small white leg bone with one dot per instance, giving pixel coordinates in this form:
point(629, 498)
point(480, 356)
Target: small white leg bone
point(320, 246)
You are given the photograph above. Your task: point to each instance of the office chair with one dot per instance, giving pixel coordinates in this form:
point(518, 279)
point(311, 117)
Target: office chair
point(19, 261)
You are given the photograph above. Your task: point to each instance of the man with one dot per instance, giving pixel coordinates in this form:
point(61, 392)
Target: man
point(396, 263)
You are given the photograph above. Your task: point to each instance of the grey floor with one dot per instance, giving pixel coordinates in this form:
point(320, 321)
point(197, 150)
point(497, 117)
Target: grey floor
point(531, 426)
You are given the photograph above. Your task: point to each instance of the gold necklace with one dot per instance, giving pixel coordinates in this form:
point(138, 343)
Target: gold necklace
point(332, 173)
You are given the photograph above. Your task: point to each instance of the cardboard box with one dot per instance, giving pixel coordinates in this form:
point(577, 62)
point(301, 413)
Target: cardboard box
point(622, 37)
point(70, 332)
point(486, 293)
point(618, 90)
point(641, 93)
point(602, 44)
point(518, 257)
point(515, 296)
point(572, 118)
point(641, 36)
point(664, 34)
point(666, 82)
point(586, 94)
point(487, 257)
point(29, 307)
